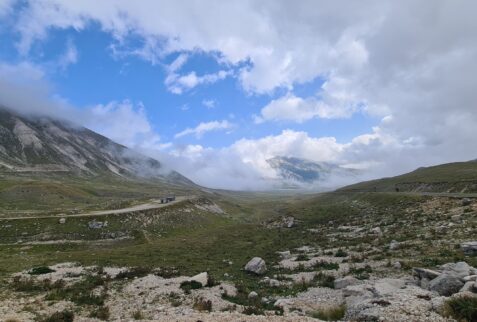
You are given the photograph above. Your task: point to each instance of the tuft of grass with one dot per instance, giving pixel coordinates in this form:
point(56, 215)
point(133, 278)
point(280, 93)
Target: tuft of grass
point(138, 315)
point(62, 316)
point(201, 304)
point(302, 258)
point(101, 313)
point(462, 308)
point(253, 310)
point(329, 314)
point(341, 253)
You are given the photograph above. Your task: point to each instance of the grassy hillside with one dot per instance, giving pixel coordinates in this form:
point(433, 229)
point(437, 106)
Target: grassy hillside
point(70, 194)
point(459, 177)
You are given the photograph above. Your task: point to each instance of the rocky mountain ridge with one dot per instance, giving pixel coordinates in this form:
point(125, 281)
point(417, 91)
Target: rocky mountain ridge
point(39, 144)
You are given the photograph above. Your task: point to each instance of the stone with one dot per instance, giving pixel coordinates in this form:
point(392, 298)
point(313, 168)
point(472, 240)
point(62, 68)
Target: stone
point(95, 224)
point(285, 254)
point(62, 220)
point(377, 231)
point(202, 278)
point(252, 295)
point(468, 287)
point(397, 265)
point(425, 273)
point(256, 265)
point(446, 285)
point(466, 202)
point(459, 269)
point(469, 248)
point(346, 281)
point(388, 286)
point(470, 278)
point(288, 222)
point(394, 245)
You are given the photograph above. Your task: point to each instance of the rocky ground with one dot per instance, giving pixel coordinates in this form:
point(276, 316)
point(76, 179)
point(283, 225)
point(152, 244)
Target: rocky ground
point(413, 264)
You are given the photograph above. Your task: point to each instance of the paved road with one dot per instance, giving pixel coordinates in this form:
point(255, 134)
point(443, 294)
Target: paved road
point(153, 204)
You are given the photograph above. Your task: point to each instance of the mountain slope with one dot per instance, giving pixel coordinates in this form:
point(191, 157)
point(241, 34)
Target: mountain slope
point(296, 171)
point(449, 177)
point(46, 145)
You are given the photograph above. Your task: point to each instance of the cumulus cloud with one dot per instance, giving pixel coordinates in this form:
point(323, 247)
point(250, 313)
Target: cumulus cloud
point(205, 127)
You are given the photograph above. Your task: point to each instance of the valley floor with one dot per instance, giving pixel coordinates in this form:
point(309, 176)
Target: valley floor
point(338, 256)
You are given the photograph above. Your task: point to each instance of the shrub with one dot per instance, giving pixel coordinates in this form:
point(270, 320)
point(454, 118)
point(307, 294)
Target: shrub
point(186, 286)
point(341, 253)
point(63, 316)
point(462, 308)
point(302, 258)
point(201, 304)
point(101, 313)
point(40, 270)
point(330, 314)
point(324, 280)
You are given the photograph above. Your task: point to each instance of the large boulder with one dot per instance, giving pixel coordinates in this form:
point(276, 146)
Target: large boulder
point(459, 269)
point(202, 278)
point(256, 265)
point(446, 285)
point(469, 248)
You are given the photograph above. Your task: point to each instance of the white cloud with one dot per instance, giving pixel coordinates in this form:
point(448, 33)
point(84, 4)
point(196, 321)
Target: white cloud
point(178, 84)
point(205, 127)
point(209, 103)
point(70, 56)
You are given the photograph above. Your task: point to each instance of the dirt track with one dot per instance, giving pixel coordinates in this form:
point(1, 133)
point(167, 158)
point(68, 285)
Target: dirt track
point(154, 204)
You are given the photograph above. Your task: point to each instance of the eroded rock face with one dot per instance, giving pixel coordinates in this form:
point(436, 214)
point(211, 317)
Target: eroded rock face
point(446, 285)
point(256, 265)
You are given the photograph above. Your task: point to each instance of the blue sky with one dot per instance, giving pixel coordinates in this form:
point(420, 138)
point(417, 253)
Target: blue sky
point(214, 89)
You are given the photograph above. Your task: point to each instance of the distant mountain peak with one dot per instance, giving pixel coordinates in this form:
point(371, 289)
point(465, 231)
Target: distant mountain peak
point(298, 172)
point(42, 144)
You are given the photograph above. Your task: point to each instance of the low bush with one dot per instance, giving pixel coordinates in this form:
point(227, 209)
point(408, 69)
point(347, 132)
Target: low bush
point(330, 314)
point(187, 286)
point(40, 270)
point(63, 316)
point(462, 308)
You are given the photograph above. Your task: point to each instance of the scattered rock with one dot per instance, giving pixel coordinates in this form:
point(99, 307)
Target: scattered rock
point(394, 245)
point(285, 254)
point(468, 287)
point(346, 281)
point(425, 273)
point(446, 285)
point(377, 231)
point(62, 220)
point(469, 248)
point(466, 202)
point(252, 295)
point(397, 265)
point(288, 222)
point(96, 224)
point(256, 265)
